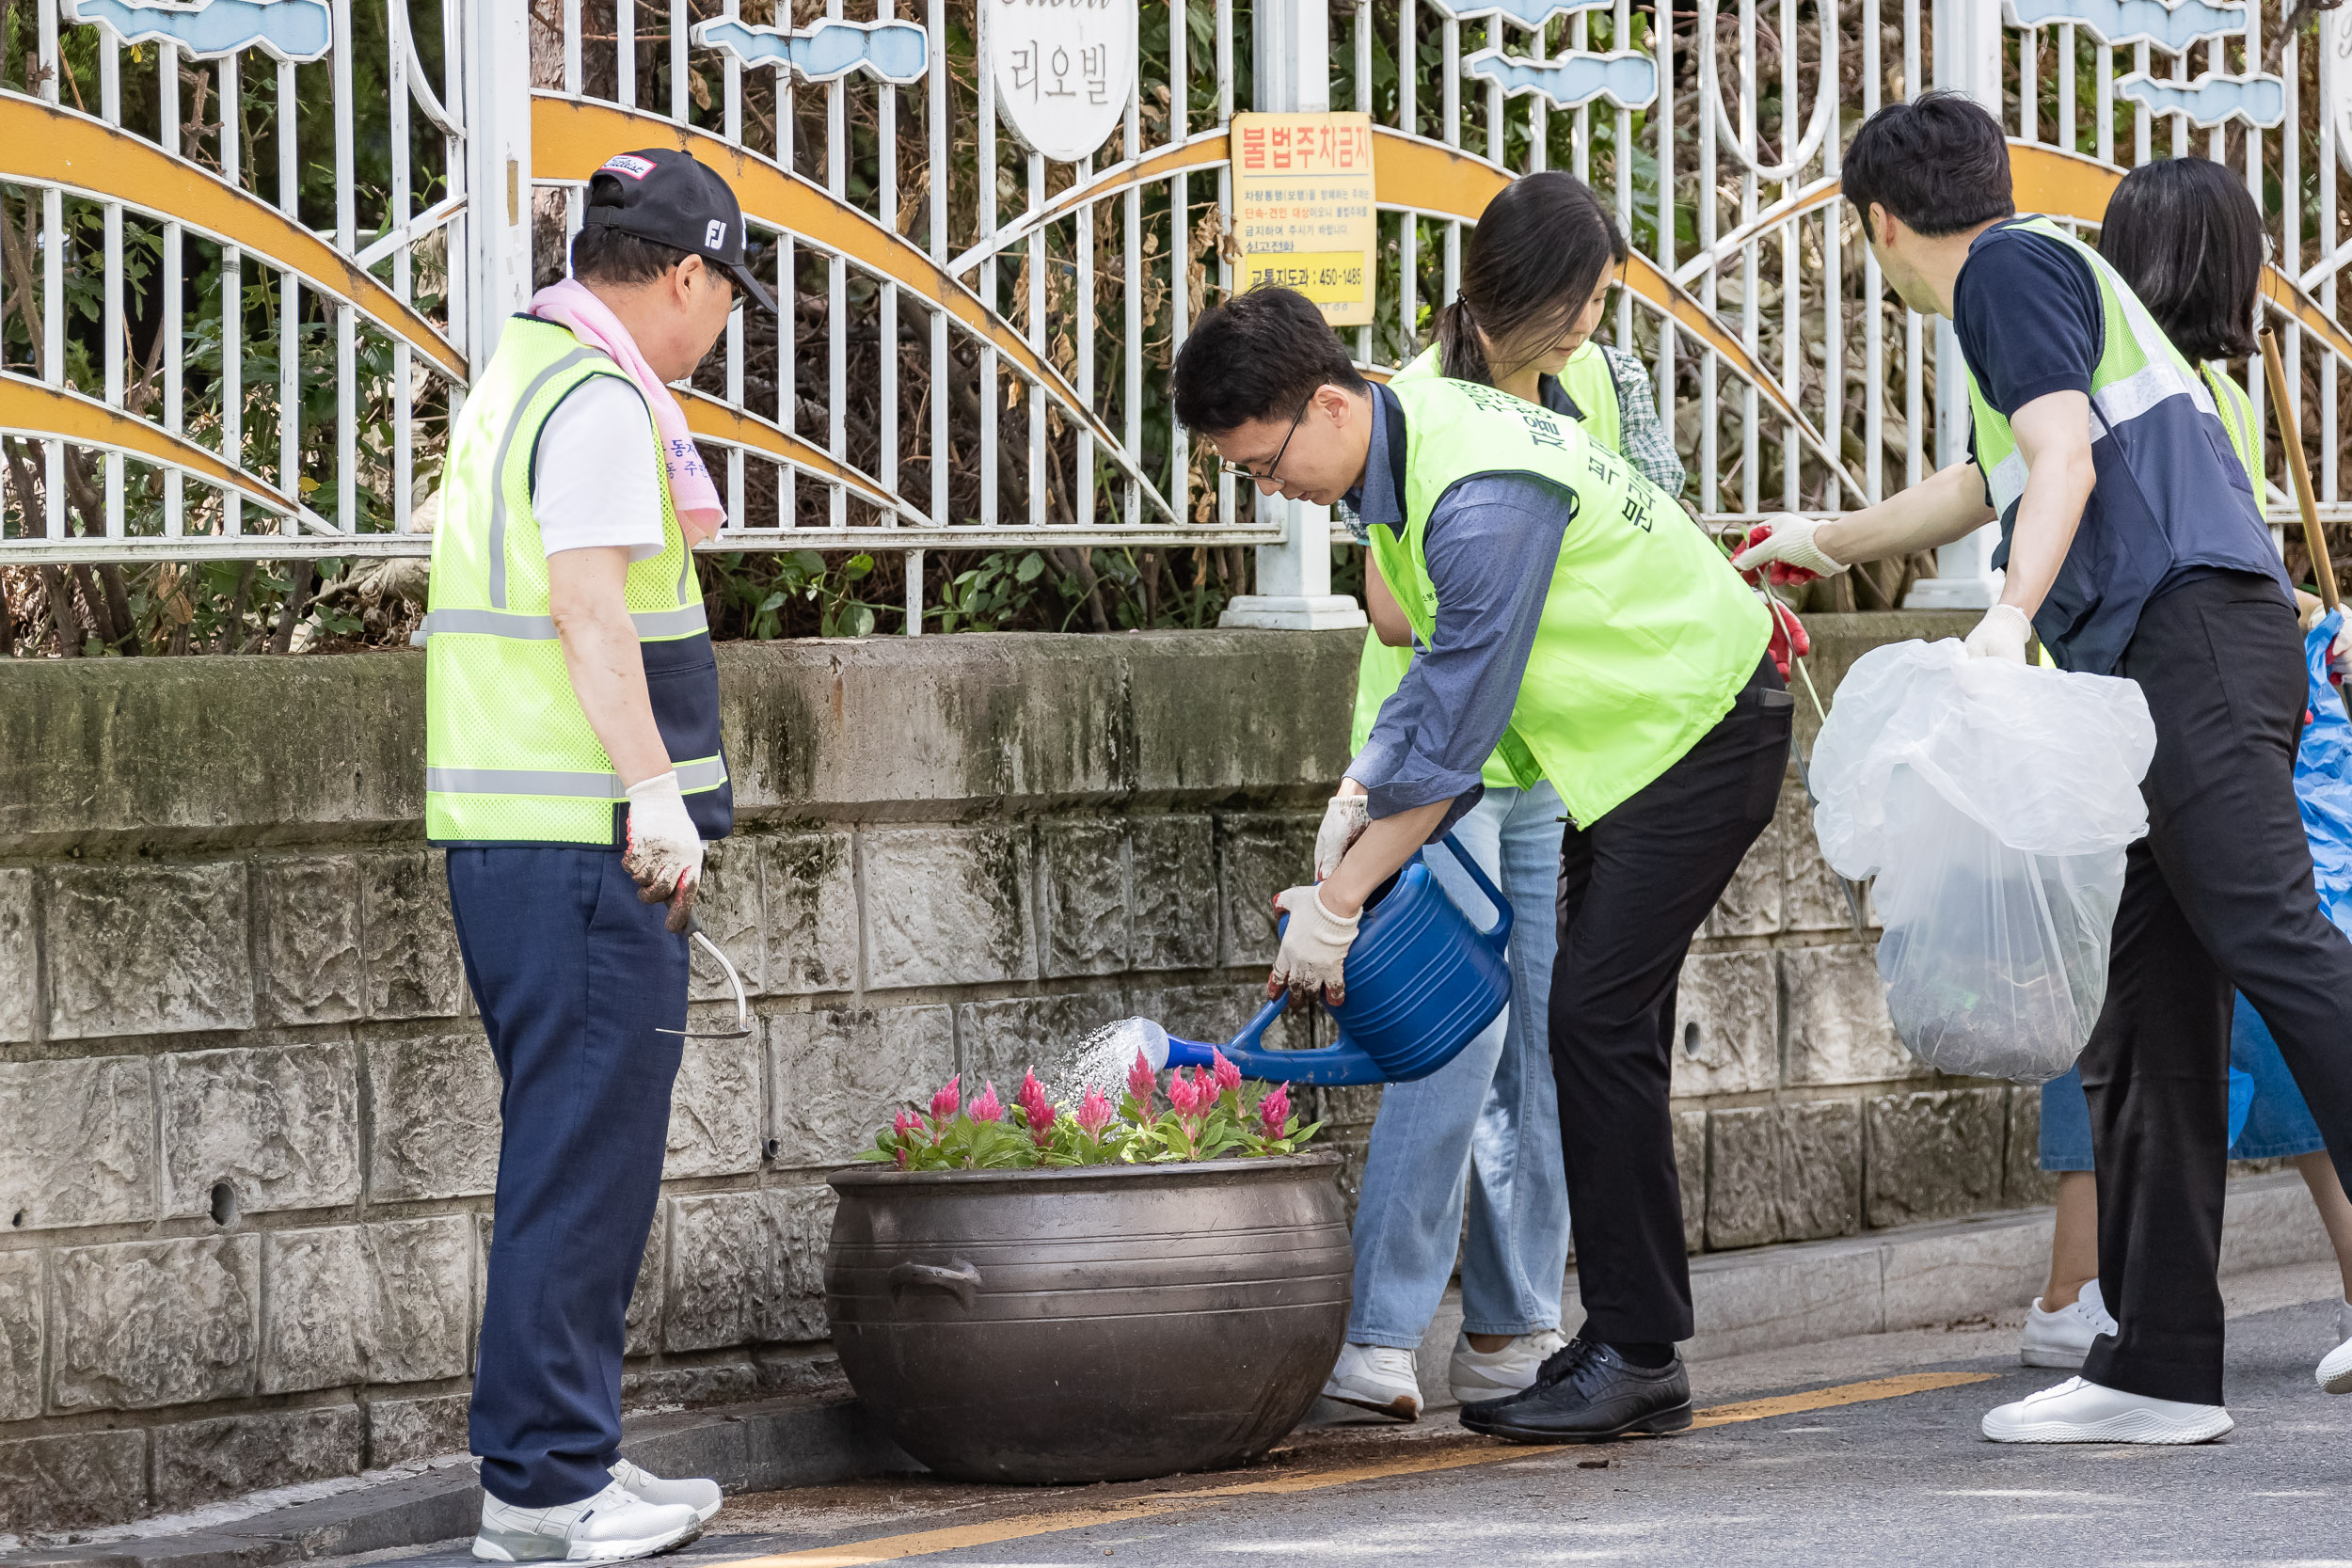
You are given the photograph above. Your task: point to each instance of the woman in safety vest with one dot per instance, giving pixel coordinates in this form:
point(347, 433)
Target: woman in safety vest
point(1536, 278)
point(2184, 233)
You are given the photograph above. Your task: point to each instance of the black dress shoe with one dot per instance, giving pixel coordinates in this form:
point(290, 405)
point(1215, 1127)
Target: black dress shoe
point(1587, 1393)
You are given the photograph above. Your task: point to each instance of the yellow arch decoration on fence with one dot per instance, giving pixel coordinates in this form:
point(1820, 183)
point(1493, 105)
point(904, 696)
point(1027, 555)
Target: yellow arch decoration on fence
point(571, 136)
point(42, 144)
point(34, 409)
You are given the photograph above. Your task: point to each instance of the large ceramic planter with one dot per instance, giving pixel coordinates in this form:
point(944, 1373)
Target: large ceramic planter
point(1106, 1322)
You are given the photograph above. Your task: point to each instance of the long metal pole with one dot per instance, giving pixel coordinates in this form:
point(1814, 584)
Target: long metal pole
point(2299, 465)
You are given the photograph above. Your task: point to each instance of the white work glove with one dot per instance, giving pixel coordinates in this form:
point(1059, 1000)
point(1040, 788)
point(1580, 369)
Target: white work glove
point(1343, 821)
point(2002, 634)
point(1783, 542)
point(664, 851)
point(1314, 948)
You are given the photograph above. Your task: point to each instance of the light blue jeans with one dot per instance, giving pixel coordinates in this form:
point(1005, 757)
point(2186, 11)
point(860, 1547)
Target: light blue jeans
point(1484, 1129)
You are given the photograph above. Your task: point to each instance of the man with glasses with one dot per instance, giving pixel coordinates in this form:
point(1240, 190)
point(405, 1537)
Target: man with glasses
point(572, 769)
point(1568, 618)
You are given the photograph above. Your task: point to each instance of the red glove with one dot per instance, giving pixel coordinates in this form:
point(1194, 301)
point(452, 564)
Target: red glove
point(1789, 639)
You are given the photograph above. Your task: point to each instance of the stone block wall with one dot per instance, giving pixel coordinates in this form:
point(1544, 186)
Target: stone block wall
point(248, 1123)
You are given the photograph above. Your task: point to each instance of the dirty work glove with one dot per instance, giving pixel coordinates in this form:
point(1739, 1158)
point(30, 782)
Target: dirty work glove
point(2002, 634)
point(2309, 609)
point(1783, 542)
point(664, 852)
point(1789, 642)
point(1314, 948)
point(1343, 821)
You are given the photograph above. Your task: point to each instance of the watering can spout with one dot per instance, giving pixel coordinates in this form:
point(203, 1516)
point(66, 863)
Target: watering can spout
point(1424, 980)
point(1344, 1063)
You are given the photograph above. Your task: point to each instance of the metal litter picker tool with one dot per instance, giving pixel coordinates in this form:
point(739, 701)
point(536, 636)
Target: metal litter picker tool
point(1804, 775)
point(2299, 466)
point(742, 1007)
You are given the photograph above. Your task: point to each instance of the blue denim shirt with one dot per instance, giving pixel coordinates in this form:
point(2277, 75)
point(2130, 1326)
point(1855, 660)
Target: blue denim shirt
point(1492, 543)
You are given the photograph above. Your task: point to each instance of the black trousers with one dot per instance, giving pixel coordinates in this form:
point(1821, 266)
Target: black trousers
point(1634, 888)
point(2219, 894)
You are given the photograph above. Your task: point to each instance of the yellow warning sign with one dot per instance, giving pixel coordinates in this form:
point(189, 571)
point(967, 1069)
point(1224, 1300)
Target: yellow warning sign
point(1303, 207)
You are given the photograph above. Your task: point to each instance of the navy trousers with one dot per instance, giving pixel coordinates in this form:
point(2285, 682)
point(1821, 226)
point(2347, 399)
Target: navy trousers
point(573, 976)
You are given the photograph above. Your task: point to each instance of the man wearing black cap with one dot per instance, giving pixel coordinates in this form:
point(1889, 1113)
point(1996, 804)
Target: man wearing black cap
point(572, 769)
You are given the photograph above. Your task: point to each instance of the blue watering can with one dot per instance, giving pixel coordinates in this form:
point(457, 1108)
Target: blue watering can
point(1423, 981)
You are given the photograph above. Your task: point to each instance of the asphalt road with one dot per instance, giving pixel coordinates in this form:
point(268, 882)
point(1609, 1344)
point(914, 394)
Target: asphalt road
point(1897, 1475)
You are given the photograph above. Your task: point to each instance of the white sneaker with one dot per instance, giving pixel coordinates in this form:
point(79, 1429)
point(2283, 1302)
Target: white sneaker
point(1376, 1377)
point(2335, 1368)
point(703, 1497)
point(2079, 1412)
point(2062, 1338)
point(1494, 1374)
point(611, 1526)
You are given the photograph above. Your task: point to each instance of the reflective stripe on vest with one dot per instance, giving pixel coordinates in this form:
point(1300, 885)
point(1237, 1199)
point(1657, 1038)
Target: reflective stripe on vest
point(2137, 369)
point(651, 624)
point(1647, 635)
point(707, 773)
point(510, 756)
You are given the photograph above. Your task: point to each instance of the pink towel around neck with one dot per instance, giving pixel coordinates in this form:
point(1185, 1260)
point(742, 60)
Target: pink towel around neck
point(696, 500)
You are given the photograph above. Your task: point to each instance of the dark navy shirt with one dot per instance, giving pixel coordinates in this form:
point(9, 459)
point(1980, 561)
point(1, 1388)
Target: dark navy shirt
point(2169, 502)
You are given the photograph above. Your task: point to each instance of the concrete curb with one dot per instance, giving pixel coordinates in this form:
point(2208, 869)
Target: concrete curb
point(1919, 1277)
point(749, 1448)
point(1771, 1298)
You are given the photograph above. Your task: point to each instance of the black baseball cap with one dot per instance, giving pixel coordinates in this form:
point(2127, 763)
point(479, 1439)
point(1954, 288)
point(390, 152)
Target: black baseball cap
point(667, 195)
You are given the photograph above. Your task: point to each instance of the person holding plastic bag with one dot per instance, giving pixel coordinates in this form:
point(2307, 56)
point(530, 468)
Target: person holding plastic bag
point(2133, 546)
point(2184, 233)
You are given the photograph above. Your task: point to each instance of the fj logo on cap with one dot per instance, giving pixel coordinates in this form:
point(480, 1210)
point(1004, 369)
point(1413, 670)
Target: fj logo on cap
point(716, 235)
point(628, 164)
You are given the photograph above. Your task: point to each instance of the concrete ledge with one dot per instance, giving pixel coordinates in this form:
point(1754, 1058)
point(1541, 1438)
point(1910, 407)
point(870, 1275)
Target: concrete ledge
point(119, 754)
point(751, 1447)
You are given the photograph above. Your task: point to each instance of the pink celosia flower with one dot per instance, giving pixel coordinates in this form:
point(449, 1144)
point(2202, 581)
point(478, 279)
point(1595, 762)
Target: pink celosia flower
point(1274, 1111)
point(943, 1103)
point(901, 1155)
point(1228, 1075)
point(988, 1107)
point(906, 1124)
point(1036, 1109)
point(1140, 1083)
point(1183, 1094)
point(1095, 1112)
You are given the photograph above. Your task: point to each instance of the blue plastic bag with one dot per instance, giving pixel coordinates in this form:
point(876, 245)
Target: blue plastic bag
point(2323, 792)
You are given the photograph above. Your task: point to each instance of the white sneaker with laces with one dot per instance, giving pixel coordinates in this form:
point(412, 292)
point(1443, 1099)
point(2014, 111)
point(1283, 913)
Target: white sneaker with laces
point(703, 1497)
point(2062, 1338)
point(1379, 1378)
point(2335, 1368)
point(2079, 1412)
point(614, 1525)
point(1494, 1374)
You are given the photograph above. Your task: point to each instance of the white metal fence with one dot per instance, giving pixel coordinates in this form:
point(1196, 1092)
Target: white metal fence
point(253, 252)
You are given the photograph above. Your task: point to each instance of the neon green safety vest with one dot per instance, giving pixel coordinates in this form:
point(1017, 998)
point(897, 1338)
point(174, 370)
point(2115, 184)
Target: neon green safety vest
point(2168, 487)
point(1587, 380)
point(1648, 634)
point(509, 754)
point(2237, 417)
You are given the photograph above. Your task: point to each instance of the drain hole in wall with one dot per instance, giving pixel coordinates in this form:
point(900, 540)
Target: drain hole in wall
point(18, 1223)
point(1690, 1039)
point(224, 1203)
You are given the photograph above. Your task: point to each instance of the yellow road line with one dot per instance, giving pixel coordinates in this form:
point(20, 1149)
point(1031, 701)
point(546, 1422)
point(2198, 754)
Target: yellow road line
point(1829, 1399)
point(892, 1548)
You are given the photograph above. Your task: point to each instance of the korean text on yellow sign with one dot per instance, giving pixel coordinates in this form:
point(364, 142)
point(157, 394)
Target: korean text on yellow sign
point(1303, 207)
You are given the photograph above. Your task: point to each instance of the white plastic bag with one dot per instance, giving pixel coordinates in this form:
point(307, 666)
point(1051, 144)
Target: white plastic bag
point(1993, 802)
